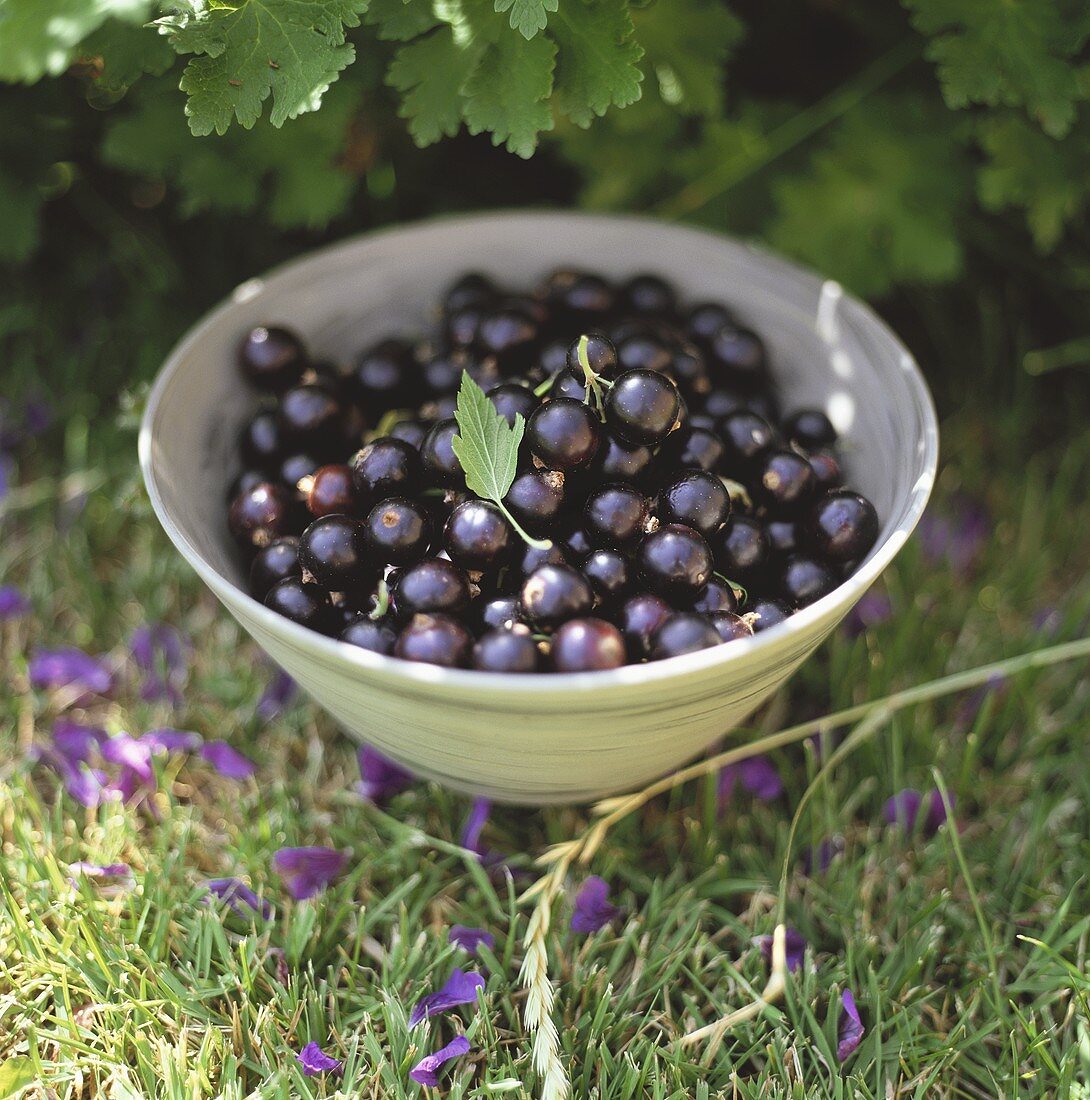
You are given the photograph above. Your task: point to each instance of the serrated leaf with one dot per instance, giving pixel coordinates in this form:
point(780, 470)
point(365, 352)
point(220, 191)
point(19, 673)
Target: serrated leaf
point(685, 51)
point(16, 1076)
point(1018, 53)
point(430, 74)
point(127, 52)
point(38, 37)
point(880, 202)
point(401, 20)
point(527, 16)
point(289, 50)
point(597, 61)
point(486, 445)
point(507, 93)
point(1028, 169)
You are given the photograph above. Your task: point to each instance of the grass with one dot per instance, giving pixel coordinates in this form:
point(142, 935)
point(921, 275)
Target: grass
point(966, 951)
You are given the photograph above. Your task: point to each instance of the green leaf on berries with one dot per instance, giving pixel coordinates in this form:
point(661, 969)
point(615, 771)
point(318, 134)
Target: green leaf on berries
point(430, 73)
point(289, 50)
point(401, 20)
point(598, 62)
point(527, 16)
point(488, 449)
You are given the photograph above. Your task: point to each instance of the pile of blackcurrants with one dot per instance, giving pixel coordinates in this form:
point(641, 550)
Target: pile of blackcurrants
point(660, 503)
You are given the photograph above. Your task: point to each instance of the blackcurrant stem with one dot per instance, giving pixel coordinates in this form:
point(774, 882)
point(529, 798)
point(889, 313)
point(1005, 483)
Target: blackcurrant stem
point(537, 544)
point(382, 601)
point(595, 381)
point(543, 388)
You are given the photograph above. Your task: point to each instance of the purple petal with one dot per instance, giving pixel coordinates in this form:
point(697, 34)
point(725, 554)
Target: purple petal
point(130, 753)
point(872, 610)
point(308, 871)
point(818, 858)
point(475, 821)
point(238, 897)
point(459, 989)
point(227, 761)
point(850, 1032)
point(276, 696)
point(88, 786)
point(98, 870)
point(469, 939)
point(69, 667)
point(794, 948)
point(936, 811)
point(757, 774)
point(171, 740)
point(380, 777)
point(75, 741)
point(592, 908)
point(904, 808)
point(13, 604)
point(314, 1061)
point(426, 1071)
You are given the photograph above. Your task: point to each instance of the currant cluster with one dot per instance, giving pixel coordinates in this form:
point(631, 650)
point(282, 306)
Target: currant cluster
point(661, 503)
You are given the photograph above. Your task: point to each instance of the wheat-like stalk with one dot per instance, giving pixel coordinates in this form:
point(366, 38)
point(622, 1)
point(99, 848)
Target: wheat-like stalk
point(534, 975)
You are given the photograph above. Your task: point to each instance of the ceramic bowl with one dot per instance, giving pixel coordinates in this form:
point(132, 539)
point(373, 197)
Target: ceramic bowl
point(545, 738)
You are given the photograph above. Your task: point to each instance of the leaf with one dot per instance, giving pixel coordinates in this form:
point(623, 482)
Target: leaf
point(291, 50)
point(19, 225)
point(401, 20)
point(527, 16)
point(37, 37)
point(597, 63)
point(127, 52)
point(1017, 53)
point(430, 74)
point(685, 50)
point(1028, 169)
point(880, 203)
point(16, 1075)
point(486, 445)
point(507, 94)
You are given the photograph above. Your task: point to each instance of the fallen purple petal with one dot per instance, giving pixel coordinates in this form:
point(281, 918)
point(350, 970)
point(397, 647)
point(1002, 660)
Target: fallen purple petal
point(308, 871)
point(129, 753)
point(159, 651)
point(818, 858)
point(228, 761)
point(238, 897)
point(850, 1031)
point(794, 948)
point(75, 741)
point(276, 696)
point(171, 740)
point(903, 809)
point(88, 786)
point(314, 1061)
point(459, 989)
point(426, 1071)
point(69, 667)
point(593, 910)
point(873, 609)
point(13, 604)
point(83, 869)
point(470, 837)
point(380, 777)
point(469, 939)
point(758, 776)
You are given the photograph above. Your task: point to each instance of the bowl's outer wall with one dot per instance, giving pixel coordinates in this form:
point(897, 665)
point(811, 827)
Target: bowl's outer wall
point(539, 739)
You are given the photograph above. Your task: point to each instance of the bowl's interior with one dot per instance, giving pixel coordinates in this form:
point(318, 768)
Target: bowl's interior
point(826, 350)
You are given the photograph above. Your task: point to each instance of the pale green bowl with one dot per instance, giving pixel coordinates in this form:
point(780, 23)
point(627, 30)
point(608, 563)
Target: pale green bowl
point(546, 738)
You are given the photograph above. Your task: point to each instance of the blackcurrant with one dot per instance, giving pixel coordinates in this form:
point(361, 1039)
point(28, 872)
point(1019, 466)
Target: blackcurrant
point(675, 561)
point(411, 432)
point(441, 465)
point(434, 584)
point(478, 537)
point(552, 594)
point(739, 355)
point(304, 603)
point(600, 352)
point(745, 437)
point(273, 563)
point(619, 460)
point(434, 640)
point(385, 377)
point(730, 627)
point(247, 480)
point(610, 575)
point(579, 294)
point(642, 406)
point(535, 499)
point(332, 490)
point(742, 550)
point(563, 434)
point(697, 500)
point(387, 467)
point(495, 612)
point(509, 335)
point(272, 358)
point(764, 613)
point(826, 470)
point(294, 469)
point(260, 515)
point(640, 616)
point(692, 448)
point(804, 580)
point(614, 515)
point(842, 526)
point(783, 537)
point(312, 417)
point(472, 289)
point(534, 557)
point(463, 325)
point(513, 399)
point(706, 319)
point(261, 440)
point(333, 551)
point(648, 294)
point(587, 645)
point(811, 429)
point(644, 353)
point(378, 637)
point(577, 543)
point(683, 632)
point(714, 597)
point(506, 650)
point(397, 532)
point(783, 482)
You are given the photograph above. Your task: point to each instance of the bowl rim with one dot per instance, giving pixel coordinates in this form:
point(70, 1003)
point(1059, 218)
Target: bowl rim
point(460, 680)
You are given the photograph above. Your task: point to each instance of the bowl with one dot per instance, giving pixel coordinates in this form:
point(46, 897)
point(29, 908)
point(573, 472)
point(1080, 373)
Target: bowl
point(537, 739)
